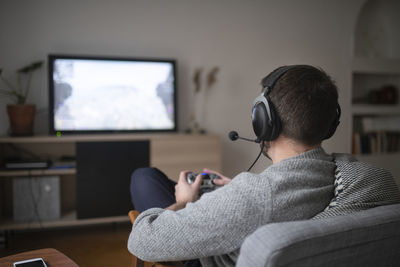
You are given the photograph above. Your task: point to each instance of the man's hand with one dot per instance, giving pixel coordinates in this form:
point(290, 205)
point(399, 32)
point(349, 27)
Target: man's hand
point(185, 192)
point(223, 181)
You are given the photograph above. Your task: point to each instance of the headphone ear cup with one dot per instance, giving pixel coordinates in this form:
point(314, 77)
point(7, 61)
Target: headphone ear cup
point(266, 128)
point(335, 123)
point(260, 120)
point(332, 129)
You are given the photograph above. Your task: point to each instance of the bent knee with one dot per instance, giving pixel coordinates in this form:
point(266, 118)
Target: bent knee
point(140, 173)
point(144, 175)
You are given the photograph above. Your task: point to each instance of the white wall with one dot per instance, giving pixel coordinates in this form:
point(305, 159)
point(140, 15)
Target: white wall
point(246, 39)
point(377, 30)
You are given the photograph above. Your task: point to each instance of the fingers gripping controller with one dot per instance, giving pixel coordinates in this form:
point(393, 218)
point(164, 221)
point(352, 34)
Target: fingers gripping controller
point(207, 185)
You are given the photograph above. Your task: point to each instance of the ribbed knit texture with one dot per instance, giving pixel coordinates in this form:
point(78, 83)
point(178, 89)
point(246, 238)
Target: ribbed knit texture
point(293, 189)
point(359, 186)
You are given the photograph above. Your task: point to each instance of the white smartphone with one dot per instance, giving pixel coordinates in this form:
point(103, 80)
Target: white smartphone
point(37, 262)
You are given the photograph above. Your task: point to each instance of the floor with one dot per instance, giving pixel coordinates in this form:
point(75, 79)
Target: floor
point(101, 245)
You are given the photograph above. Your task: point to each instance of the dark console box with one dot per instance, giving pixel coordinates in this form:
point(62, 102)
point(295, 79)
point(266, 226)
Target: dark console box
point(103, 176)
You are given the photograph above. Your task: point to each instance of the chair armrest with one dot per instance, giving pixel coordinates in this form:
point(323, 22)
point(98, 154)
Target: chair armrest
point(133, 214)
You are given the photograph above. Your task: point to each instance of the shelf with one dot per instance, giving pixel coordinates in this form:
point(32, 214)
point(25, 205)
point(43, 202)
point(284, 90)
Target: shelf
point(365, 109)
point(68, 219)
point(170, 152)
point(41, 172)
point(376, 65)
point(95, 138)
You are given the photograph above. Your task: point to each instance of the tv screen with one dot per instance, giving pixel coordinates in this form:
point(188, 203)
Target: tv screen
point(102, 94)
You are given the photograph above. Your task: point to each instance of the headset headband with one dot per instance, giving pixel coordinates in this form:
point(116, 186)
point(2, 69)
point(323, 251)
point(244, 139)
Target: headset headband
point(269, 83)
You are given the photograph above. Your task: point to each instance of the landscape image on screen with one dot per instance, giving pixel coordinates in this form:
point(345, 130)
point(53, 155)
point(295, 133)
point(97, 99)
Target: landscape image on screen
point(113, 95)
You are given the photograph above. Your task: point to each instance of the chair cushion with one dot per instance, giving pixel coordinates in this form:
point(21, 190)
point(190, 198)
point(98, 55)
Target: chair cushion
point(367, 238)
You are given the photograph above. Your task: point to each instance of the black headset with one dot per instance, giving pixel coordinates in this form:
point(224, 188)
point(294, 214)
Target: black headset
point(266, 123)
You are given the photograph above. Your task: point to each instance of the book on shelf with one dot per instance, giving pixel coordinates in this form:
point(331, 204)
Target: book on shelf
point(376, 142)
point(381, 123)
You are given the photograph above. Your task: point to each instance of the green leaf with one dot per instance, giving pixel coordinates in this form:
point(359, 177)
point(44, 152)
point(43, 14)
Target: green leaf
point(31, 67)
point(21, 99)
point(37, 64)
point(24, 69)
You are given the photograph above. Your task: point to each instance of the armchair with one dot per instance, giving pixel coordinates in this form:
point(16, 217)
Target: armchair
point(367, 238)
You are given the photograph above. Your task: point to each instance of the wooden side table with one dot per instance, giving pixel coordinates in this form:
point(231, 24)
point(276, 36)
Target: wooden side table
point(51, 256)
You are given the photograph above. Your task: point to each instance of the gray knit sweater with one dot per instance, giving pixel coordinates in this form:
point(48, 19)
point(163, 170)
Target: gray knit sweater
point(214, 227)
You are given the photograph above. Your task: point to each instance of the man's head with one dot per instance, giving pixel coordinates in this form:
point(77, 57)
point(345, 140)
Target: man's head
point(306, 100)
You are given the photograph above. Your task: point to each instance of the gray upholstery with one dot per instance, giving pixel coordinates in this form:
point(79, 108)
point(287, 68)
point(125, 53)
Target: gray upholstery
point(367, 238)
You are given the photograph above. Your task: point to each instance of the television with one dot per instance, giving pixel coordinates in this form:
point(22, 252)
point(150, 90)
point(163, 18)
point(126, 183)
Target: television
point(93, 94)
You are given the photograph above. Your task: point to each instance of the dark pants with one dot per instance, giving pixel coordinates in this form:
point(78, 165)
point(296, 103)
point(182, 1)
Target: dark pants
point(151, 188)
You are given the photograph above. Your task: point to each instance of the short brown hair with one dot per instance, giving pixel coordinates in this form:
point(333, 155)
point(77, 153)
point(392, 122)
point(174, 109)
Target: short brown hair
point(306, 101)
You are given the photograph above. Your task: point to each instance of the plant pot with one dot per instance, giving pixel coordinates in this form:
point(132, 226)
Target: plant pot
point(21, 119)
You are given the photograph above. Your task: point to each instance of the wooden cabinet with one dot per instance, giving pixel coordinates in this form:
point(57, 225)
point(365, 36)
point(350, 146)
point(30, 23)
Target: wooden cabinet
point(169, 152)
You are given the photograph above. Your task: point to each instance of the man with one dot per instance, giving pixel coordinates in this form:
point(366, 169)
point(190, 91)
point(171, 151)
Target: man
point(297, 110)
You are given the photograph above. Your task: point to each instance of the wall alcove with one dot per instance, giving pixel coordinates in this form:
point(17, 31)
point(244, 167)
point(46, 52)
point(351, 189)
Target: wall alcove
point(377, 33)
point(375, 85)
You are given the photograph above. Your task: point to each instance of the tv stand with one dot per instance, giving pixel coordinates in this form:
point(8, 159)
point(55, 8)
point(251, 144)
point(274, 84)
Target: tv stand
point(170, 152)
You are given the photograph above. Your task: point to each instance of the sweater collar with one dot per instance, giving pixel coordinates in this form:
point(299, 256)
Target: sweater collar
point(316, 153)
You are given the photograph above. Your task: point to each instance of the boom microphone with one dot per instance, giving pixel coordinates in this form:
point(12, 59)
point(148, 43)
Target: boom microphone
point(233, 135)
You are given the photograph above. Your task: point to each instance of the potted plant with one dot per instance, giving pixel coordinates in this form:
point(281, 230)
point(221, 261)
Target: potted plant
point(20, 113)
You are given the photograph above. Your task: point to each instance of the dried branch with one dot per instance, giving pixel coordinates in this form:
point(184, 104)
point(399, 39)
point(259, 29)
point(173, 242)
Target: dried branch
point(197, 79)
point(212, 77)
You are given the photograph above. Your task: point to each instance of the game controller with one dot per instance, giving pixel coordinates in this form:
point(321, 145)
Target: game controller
point(207, 185)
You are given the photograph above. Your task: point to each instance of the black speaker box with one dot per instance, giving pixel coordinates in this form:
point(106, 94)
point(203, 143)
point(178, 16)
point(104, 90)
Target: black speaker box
point(103, 176)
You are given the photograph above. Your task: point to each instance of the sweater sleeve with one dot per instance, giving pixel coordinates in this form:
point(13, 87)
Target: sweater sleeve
point(215, 224)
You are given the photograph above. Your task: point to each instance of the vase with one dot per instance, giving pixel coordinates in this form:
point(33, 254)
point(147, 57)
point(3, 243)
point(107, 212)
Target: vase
point(21, 117)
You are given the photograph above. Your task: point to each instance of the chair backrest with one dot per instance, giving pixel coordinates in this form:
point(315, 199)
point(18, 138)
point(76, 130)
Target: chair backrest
point(367, 238)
